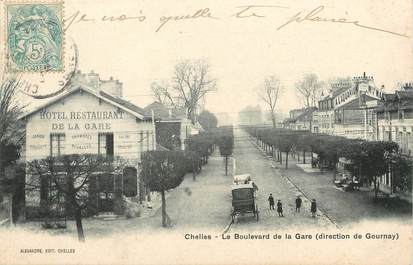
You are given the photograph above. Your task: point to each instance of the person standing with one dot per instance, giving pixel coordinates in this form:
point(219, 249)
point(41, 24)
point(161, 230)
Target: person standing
point(271, 201)
point(298, 202)
point(280, 208)
point(313, 208)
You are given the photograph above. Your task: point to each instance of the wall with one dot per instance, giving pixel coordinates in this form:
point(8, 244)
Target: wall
point(81, 131)
point(81, 117)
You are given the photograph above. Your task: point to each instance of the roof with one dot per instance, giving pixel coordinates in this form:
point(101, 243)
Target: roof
point(340, 90)
point(355, 103)
point(396, 101)
point(124, 103)
point(115, 101)
point(405, 95)
point(307, 115)
point(165, 113)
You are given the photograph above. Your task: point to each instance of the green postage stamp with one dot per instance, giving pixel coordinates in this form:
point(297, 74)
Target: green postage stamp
point(34, 35)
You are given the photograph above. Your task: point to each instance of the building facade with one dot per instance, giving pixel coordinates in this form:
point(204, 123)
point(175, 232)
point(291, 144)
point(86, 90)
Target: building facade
point(300, 119)
point(395, 119)
point(172, 125)
point(349, 109)
point(88, 121)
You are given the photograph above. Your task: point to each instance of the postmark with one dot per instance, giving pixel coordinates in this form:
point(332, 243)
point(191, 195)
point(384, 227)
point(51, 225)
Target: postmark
point(34, 35)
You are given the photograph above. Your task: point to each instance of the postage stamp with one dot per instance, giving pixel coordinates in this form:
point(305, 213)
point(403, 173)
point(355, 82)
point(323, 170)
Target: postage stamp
point(34, 35)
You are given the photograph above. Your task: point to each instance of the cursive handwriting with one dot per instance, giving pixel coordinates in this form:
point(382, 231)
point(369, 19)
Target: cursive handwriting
point(78, 17)
point(242, 12)
point(251, 11)
point(313, 16)
point(200, 13)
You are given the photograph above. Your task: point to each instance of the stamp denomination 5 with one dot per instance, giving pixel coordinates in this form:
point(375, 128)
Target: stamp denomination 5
point(34, 36)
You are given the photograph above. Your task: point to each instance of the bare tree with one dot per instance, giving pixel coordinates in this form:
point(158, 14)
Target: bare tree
point(161, 92)
point(269, 93)
point(10, 110)
point(191, 81)
point(69, 178)
point(309, 89)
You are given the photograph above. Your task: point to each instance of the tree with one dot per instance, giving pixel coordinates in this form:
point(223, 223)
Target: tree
point(10, 110)
point(226, 144)
point(10, 152)
point(286, 143)
point(207, 120)
point(162, 171)
point(309, 89)
point(191, 81)
point(401, 169)
point(269, 93)
point(374, 162)
point(69, 178)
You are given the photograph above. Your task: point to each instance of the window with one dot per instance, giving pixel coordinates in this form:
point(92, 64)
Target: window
point(57, 144)
point(106, 144)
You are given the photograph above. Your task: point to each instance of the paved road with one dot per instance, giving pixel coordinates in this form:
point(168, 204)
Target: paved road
point(346, 208)
point(269, 180)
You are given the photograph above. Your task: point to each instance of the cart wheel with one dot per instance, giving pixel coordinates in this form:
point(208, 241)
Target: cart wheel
point(257, 213)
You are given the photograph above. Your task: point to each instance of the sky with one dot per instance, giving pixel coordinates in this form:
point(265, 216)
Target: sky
point(241, 51)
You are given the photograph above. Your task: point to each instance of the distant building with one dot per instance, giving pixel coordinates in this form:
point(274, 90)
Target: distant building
point(279, 117)
point(172, 125)
point(224, 119)
point(250, 115)
point(300, 119)
point(349, 109)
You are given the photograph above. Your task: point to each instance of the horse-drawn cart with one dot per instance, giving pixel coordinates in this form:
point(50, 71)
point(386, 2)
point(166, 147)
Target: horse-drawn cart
point(244, 197)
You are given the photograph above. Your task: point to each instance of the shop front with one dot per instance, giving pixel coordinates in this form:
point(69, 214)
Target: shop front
point(84, 121)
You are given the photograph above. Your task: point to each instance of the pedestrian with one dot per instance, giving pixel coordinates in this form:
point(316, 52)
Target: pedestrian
point(280, 208)
point(313, 208)
point(298, 202)
point(271, 201)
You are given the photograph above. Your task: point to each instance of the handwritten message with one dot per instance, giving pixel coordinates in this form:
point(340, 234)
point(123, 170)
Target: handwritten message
point(287, 15)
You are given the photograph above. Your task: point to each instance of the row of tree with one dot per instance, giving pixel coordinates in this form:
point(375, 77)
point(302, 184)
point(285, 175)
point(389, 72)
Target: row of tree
point(369, 160)
point(165, 170)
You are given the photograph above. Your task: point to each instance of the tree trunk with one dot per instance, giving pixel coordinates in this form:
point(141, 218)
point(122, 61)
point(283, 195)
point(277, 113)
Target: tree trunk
point(226, 165)
point(286, 160)
point(281, 158)
point(1, 171)
point(274, 123)
point(312, 158)
point(164, 223)
point(304, 156)
point(193, 171)
point(79, 226)
point(148, 194)
point(375, 187)
point(298, 156)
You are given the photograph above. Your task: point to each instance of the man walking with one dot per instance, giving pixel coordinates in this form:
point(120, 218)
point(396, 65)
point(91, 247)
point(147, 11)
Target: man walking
point(313, 208)
point(271, 201)
point(298, 202)
point(280, 208)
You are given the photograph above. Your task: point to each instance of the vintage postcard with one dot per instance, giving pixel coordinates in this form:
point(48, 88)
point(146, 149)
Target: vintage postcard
point(206, 132)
